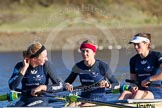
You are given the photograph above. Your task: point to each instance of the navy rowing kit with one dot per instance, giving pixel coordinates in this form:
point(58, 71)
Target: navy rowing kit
point(34, 77)
point(146, 67)
point(90, 76)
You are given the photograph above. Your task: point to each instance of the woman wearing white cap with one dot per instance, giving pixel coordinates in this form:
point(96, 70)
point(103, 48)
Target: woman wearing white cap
point(144, 69)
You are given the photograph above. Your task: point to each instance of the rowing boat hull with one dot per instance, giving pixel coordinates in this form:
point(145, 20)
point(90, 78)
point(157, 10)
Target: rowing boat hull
point(111, 105)
point(134, 105)
point(138, 105)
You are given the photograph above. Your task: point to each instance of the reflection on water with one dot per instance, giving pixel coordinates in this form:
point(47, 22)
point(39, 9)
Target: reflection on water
point(62, 63)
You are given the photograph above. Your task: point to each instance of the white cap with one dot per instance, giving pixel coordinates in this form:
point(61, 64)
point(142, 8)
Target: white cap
point(139, 39)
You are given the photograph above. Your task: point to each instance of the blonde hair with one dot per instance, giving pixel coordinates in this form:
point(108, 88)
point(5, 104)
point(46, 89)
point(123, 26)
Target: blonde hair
point(32, 49)
point(146, 35)
point(89, 42)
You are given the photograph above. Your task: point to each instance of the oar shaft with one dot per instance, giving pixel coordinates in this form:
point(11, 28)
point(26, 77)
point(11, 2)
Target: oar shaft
point(4, 97)
point(137, 83)
point(111, 104)
point(119, 90)
point(13, 95)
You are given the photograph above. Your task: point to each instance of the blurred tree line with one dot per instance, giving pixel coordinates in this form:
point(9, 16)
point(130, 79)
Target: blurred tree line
point(152, 7)
point(149, 7)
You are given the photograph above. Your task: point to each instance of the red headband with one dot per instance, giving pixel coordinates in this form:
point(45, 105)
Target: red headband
point(90, 46)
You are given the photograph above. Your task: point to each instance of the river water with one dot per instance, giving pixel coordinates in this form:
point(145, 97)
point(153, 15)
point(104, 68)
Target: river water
point(62, 61)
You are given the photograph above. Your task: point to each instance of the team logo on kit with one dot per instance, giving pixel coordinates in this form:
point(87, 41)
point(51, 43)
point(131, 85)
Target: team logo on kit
point(160, 58)
point(143, 61)
point(148, 68)
point(33, 71)
point(39, 77)
point(94, 74)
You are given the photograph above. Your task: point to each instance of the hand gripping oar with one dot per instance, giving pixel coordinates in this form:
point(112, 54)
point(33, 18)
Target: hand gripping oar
point(92, 87)
point(14, 94)
point(137, 83)
point(72, 97)
point(77, 88)
point(11, 96)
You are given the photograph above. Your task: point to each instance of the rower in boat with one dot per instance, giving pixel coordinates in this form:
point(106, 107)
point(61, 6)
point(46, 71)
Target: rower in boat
point(91, 71)
point(145, 68)
point(34, 73)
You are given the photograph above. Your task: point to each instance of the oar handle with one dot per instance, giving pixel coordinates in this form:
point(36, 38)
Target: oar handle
point(78, 87)
point(119, 90)
point(137, 83)
point(4, 97)
point(84, 87)
point(131, 81)
point(41, 93)
point(13, 95)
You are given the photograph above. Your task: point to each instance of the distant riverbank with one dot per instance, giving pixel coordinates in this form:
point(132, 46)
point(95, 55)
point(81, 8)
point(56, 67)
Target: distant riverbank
point(69, 37)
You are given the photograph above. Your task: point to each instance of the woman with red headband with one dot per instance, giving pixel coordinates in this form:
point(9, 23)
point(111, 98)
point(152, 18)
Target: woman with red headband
point(93, 73)
point(33, 73)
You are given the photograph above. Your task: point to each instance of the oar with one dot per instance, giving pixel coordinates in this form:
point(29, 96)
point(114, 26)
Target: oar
point(13, 95)
point(114, 91)
point(132, 101)
point(137, 83)
point(119, 90)
point(75, 98)
point(109, 103)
